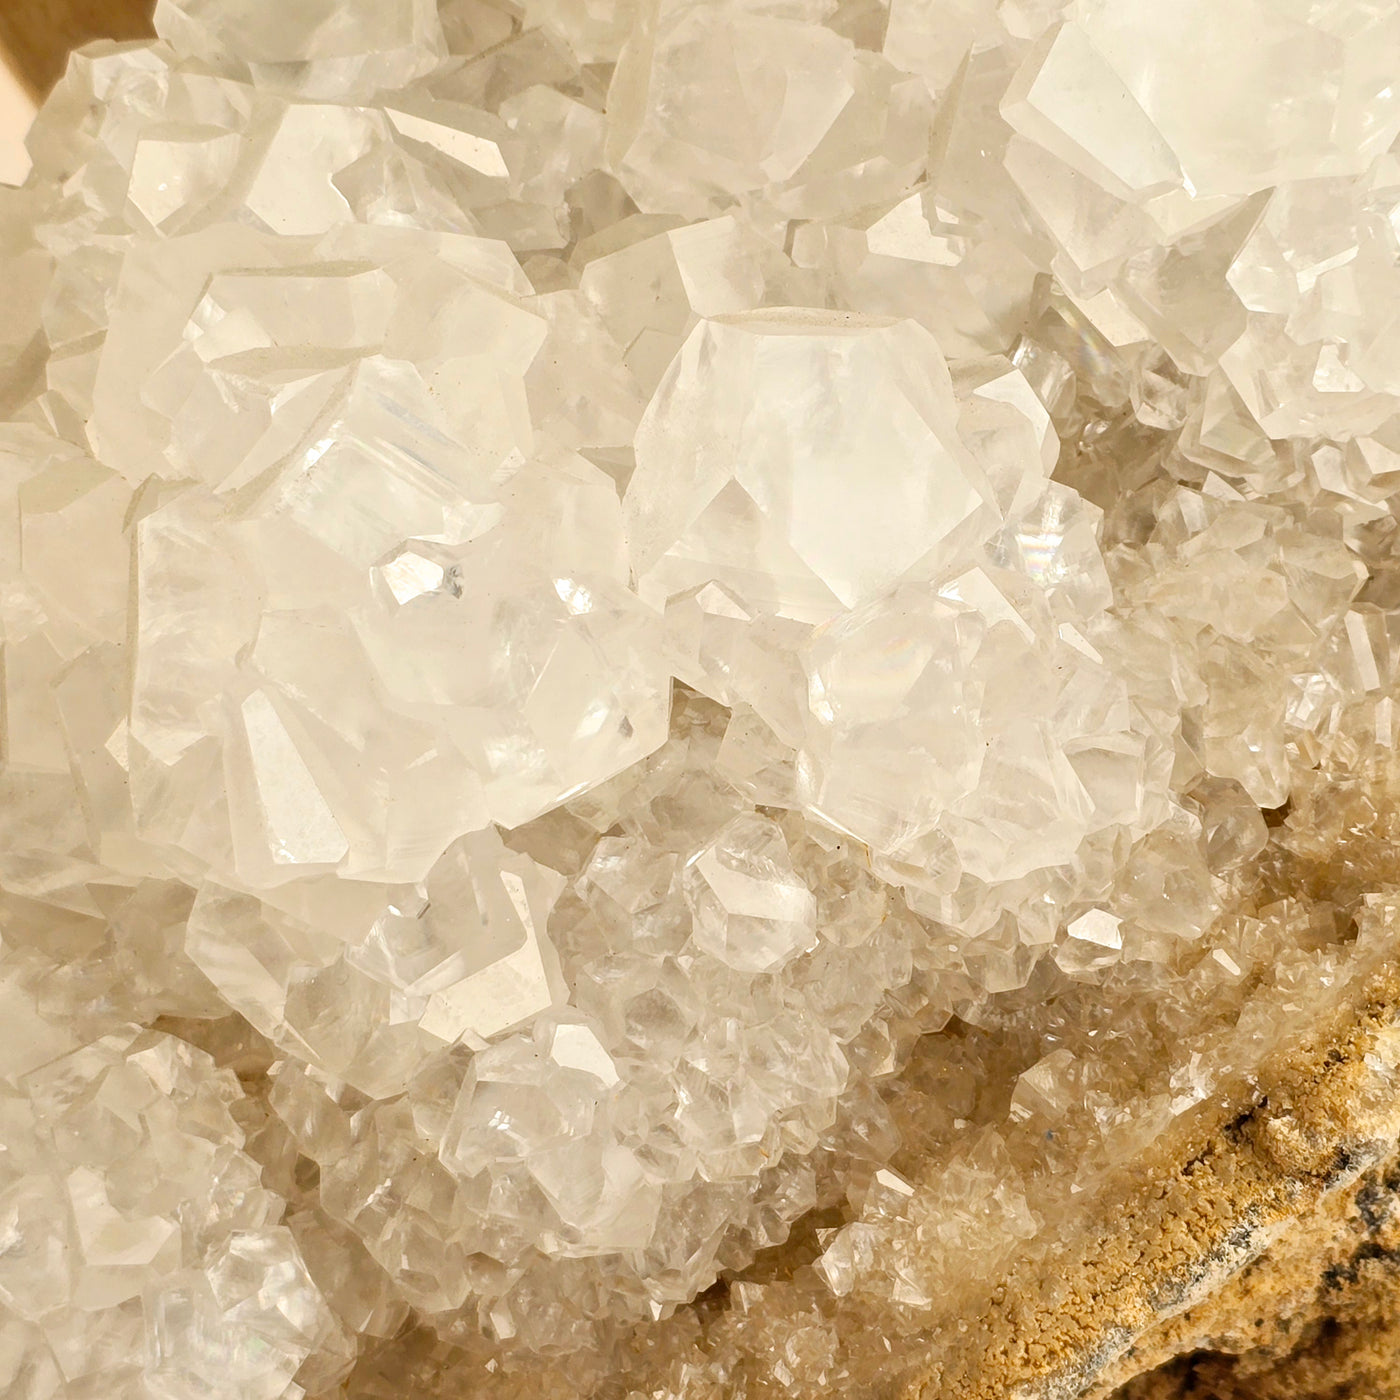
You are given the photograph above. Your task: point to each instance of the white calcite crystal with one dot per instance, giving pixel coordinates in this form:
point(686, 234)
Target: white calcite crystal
point(807, 461)
point(635, 629)
point(748, 907)
point(141, 1254)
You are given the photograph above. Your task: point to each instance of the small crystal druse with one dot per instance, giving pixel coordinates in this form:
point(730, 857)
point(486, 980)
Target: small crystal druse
point(666, 641)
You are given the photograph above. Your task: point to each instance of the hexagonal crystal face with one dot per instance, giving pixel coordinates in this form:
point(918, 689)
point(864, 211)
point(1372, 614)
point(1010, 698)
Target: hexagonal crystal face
point(805, 460)
point(408, 647)
point(750, 908)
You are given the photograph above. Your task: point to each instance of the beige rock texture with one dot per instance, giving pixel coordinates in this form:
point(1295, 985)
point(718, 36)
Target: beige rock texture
point(1312, 1318)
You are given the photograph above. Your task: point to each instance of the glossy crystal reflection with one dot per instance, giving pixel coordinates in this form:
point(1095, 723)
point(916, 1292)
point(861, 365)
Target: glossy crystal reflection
point(667, 641)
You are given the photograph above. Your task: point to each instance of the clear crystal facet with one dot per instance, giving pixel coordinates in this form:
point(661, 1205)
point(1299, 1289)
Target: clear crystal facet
point(669, 640)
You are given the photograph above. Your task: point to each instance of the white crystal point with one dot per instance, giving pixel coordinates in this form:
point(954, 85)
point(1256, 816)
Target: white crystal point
point(1097, 926)
point(385, 466)
point(1093, 942)
point(486, 657)
point(1069, 100)
point(650, 293)
point(681, 148)
point(541, 1105)
point(487, 916)
point(301, 828)
point(140, 1243)
point(411, 574)
point(174, 173)
point(294, 191)
point(1251, 93)
point(601, 1194)
point(578, 1047)
point(367, 982)
point(893, 742)
point(959, 729)
point(111, 1240)
point(1017, 487)
point(713, 104)
point(316, 47)
point(728, 651)
point(298, 983)
point(241, 1327)
point(445, 129)
point(805, 460)
point(751, 910)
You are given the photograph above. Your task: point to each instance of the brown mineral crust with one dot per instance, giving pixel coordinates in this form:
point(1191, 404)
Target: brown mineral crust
point(1234, 1232)
point(1314, 1318)
point(38, 35)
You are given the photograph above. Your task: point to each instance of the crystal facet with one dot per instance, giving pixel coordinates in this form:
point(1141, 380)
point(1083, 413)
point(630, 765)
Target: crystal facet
point(684, 640)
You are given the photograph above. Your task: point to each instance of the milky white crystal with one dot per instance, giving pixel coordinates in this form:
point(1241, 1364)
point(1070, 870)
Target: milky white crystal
point(577, 580)
point(140, 1249)
point(819, 462)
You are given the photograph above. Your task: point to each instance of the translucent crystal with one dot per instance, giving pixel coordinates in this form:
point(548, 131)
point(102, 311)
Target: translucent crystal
point(713, 102)
point(320, 51)
point(795, 497)
point(1068, 99)
point(751, 910)
point(1249, 95)
point(677, 640)
point(141, 1249)
point(962, 730)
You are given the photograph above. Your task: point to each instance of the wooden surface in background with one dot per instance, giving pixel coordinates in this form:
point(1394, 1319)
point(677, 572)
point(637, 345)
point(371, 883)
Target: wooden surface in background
point(36, 36)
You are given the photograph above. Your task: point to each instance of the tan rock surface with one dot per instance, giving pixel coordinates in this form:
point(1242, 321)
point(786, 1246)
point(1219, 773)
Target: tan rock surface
point(1313, 1318)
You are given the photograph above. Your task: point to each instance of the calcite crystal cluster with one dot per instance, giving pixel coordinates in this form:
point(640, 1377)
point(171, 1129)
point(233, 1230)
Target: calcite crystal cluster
point(679, 677)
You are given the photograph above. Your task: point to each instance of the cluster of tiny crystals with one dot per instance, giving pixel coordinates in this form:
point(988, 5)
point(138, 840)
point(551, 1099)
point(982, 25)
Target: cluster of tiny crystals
point(659, 641)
